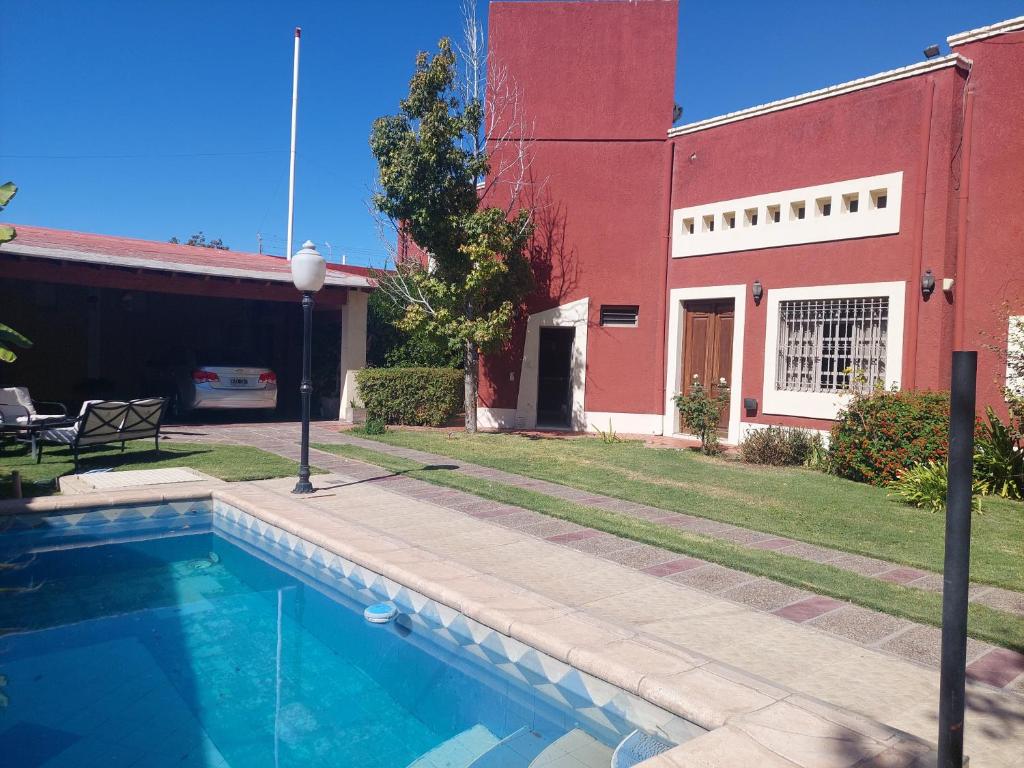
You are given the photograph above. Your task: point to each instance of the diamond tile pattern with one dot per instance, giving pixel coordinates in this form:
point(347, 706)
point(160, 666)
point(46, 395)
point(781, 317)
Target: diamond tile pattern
point(462, 640)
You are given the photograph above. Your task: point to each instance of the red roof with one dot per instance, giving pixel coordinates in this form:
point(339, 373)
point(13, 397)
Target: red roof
point(83, 246)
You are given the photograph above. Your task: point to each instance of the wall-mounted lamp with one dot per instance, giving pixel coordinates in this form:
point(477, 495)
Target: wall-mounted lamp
point(757, 291)
point(750, 405)
point(927, 284)
point(947, 285)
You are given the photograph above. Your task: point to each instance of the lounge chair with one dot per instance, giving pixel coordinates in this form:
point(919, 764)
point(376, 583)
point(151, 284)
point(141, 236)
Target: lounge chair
point(18, 407)
point(109, 421)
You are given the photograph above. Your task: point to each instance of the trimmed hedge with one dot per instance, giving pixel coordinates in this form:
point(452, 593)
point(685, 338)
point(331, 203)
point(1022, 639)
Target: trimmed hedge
point(411, 396)
point(879, 436)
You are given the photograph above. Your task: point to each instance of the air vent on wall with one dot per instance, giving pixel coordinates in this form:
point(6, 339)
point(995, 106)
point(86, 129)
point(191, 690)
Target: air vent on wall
point(620, 315)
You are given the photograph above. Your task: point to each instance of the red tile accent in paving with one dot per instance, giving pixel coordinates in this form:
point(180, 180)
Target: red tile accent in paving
point(901, 575)
point(561, 538)
point(484, 513)
point(810, 608)
point(998, 667)
point(673, 566)
point(772, 543)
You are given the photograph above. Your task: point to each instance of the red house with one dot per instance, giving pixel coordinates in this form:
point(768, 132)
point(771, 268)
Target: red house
point(862, 231)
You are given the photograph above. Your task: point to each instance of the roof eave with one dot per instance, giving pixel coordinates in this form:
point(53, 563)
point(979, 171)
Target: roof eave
point(86, 257)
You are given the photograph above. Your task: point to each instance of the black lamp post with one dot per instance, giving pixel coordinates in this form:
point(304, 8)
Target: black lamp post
point(308, 273)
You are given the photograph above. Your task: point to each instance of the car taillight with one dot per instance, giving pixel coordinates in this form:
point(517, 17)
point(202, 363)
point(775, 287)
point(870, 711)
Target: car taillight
point(200, 376)
point(268, 378)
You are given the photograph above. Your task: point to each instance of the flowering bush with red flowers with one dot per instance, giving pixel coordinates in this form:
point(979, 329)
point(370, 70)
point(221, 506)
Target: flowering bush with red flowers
point(883, 433)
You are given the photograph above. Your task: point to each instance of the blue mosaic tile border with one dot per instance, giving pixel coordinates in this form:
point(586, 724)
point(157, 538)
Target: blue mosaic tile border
point(68, 529)
point(601, 706)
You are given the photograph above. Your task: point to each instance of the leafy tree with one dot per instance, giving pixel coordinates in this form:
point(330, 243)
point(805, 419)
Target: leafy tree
point(199, 239)
point(431, 157)
point(8, 336)
point(389, 346)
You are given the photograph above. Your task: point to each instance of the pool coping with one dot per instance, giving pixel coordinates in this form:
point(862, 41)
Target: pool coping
point(750, 721)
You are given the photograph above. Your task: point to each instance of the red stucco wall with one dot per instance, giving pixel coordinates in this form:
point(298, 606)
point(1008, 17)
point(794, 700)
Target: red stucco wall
point(597, 80)
point(906, 125)
point(994, 255)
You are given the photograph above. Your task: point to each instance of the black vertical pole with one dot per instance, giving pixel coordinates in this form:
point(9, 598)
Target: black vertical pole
point(306, 389)
point(956, 571)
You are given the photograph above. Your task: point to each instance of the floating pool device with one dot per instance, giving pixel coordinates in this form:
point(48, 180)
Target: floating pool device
point(380, 613)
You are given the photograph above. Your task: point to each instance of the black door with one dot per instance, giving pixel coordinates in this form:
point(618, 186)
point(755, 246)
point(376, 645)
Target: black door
point(554, 377)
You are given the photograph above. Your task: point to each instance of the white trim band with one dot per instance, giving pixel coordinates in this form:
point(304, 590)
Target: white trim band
point(952, 60)
point(999, 28)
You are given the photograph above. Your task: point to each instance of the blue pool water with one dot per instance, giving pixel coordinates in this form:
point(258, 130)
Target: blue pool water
point(188, 644)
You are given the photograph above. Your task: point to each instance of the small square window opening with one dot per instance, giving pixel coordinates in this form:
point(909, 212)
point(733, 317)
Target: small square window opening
point(879, 198)
point(851, 203)
point(709, 223)
point(729, 220)
point(797, 211)
point(774, 214)
point(687, 226)
point(824, 206)
point(750, 217)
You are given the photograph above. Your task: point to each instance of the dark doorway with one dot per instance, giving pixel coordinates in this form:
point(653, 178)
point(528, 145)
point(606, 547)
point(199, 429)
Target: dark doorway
point(707, 348)
point(554, 377)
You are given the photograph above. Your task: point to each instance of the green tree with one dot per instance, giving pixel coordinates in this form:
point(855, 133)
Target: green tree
point(8, 336)
point(389, 346)
point(435, 174)
point(199, 239)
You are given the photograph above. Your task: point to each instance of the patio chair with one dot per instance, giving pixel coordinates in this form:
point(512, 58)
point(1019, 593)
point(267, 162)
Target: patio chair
point(18, 407)
point(109, 421)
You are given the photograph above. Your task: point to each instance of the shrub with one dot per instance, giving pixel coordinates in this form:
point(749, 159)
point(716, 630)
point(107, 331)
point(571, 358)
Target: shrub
point(779, 446)
point(998, 459)
point(926, 484)
point(374, 425)
point(413, 396)
point(700, 413)
point(885, 433)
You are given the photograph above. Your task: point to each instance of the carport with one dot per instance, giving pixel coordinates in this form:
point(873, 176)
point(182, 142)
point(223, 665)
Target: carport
point(109, 317)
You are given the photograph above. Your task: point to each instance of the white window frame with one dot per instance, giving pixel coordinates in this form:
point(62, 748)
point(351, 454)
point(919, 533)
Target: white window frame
point(826, 405)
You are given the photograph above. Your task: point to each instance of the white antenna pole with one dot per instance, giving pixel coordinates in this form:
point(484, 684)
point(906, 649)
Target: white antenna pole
point(291, 166)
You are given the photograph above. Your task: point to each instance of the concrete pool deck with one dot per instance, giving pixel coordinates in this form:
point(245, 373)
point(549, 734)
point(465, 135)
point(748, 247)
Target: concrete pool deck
point(773, 692)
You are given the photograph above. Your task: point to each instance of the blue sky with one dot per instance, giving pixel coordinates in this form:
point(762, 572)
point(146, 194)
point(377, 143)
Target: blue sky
point(153, 119)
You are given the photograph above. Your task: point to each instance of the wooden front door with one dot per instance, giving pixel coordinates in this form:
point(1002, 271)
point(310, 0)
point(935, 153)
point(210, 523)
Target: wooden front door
point(707, 348)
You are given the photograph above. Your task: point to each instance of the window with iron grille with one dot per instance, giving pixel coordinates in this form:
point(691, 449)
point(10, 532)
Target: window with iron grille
point(832, 345)
point(619, 315)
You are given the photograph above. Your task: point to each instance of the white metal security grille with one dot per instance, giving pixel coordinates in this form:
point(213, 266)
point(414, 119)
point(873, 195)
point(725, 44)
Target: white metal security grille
point(830, 345)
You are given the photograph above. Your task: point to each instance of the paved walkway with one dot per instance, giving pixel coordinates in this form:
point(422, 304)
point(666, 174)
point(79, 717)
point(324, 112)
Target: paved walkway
point(684, 621)
point(920, 644)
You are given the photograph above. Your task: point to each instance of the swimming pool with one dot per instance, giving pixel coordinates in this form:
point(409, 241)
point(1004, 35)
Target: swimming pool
point(194, 634)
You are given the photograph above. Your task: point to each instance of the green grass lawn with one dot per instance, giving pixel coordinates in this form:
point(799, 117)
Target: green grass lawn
point(794, 502)
point(984, 623)
point(228, 462)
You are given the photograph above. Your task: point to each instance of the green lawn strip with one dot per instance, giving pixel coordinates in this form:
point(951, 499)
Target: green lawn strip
point(794, 502)
point(985, 623)
point(227, 462)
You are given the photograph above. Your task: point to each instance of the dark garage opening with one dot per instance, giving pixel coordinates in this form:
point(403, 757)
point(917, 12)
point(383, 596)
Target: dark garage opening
point(109, 343)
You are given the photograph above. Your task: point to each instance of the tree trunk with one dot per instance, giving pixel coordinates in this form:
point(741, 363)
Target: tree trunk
point(472, 378)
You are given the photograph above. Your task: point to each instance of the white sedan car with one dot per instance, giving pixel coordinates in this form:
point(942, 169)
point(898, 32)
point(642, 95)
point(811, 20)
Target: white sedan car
point(227, 386)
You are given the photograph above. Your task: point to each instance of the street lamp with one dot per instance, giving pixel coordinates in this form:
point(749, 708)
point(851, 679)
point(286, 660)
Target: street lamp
point(308, 273)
